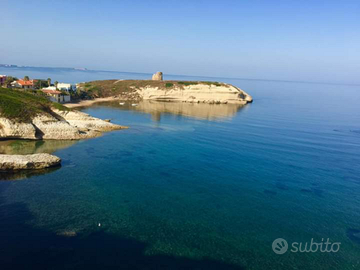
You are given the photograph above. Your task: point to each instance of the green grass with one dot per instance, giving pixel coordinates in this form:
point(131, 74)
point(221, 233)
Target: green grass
point(168, 85)
point(59, 106)
point(23, 106)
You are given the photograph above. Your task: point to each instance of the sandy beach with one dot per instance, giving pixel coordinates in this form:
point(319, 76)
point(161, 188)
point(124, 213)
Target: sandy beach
point(86, 103)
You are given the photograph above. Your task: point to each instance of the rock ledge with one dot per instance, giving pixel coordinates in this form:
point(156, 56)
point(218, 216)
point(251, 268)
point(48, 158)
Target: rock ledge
point(28, 162)
point(59, 125)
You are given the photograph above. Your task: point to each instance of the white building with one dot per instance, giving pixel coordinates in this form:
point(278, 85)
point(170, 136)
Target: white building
point(49, 88)
point(55, 95)
point(66, 87)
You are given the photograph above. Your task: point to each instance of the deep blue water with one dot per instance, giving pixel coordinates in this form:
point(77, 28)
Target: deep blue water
point(197, 186)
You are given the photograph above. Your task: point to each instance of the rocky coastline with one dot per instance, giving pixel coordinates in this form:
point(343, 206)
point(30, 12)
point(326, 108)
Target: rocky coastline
point(168, 91)
point(56, 125)
point(61, 123)
point(52, 125)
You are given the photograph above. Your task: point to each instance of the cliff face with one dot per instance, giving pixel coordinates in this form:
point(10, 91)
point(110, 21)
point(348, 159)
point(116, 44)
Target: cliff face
point(14, 129)
point(58, 125)
point(29, 115)
point(197, 93)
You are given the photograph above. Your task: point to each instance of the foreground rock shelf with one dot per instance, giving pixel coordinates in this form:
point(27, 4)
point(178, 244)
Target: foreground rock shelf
point(28, 162)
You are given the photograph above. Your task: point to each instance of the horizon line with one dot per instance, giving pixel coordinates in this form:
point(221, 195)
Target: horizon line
point(214, 77)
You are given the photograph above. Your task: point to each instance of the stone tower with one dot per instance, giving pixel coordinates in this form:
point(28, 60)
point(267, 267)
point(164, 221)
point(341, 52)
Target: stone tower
point(158, 76)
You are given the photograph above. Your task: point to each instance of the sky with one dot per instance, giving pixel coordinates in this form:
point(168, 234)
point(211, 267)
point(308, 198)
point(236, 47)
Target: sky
point(308, 40)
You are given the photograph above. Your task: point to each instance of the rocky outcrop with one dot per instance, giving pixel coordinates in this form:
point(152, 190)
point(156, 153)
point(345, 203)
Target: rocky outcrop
point(57, 125)
point(49, 127)
point(13, 129)
point(197, 93)
point(28, 162)
point(156, 89)
point(85, 122)
point(158, 76)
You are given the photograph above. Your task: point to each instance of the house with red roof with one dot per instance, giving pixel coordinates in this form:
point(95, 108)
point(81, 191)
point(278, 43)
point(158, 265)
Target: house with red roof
point(24, 84)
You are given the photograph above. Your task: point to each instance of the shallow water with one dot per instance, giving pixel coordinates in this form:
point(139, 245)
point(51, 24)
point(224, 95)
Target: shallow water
point(198, 187)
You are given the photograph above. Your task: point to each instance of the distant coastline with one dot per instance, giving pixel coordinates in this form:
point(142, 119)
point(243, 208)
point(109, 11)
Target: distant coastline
point(32, 67)
point(83, 69)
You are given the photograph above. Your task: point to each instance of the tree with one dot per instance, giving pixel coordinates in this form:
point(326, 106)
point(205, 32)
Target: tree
point(56, 83)
point(26, 78)
point(40, 84)
point(49, 81)
point(9, 80)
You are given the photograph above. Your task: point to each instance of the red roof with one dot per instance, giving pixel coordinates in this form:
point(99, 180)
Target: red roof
point(51, 92)
point(26, 83)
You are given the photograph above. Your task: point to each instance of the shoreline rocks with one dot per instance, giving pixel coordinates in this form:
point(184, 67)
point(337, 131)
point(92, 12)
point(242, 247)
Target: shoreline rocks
point(12, 129)
point(28, 162)
point(56, 125)
point(50, 125)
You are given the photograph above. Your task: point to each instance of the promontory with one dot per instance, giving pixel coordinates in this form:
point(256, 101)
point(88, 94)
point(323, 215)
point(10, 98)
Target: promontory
point(170, 91)
point(26, 115)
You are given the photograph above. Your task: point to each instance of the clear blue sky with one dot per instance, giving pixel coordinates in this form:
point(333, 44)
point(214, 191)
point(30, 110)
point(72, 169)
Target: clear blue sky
point(290, 40)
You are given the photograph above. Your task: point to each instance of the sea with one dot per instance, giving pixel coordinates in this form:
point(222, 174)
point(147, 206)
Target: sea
point(270, 185)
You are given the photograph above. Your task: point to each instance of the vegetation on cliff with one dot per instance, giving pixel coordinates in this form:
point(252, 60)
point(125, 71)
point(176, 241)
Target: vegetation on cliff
point(24, 105)
point(106, 88)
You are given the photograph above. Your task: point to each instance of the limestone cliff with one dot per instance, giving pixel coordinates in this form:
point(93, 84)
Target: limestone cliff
point(10, 128)
point(197, 93)
point(183, 91)
point(29, 115)
point(59, 125)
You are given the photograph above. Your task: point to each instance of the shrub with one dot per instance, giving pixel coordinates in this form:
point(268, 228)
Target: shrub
point(187, 83)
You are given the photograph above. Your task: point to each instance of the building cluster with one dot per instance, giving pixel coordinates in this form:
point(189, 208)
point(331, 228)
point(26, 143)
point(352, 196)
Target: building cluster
point(57, 93)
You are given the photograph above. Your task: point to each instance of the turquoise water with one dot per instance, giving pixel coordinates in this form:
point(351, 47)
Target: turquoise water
point(197, 187)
